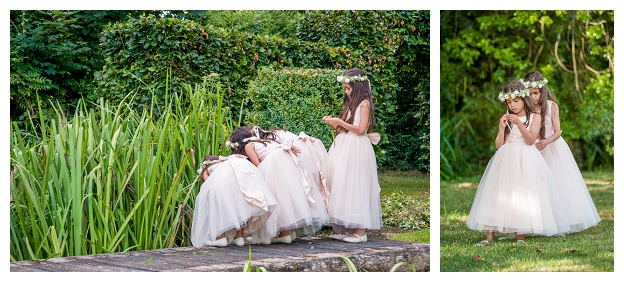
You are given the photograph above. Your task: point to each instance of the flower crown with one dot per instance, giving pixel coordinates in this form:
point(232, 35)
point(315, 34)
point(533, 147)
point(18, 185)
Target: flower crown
point(231, 145)
point(518, 93)
point(534, 84)
point(347, 79)
point(206, 164)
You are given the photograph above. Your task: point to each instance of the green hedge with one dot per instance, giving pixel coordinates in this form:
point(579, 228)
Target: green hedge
point(296, 99)
point(141, 50)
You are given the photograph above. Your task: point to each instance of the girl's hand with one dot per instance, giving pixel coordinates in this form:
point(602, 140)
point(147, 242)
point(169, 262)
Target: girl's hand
point(514, 119)
point(540, 145)
point(326, 117)
point(332, 121)
point(295, 149)
point(503, 122)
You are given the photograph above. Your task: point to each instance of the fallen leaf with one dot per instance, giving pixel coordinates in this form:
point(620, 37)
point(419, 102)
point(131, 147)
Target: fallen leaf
point(187, 256)
point(537, 250)
point(478, 258)
point(572, 251)
point(512, 249)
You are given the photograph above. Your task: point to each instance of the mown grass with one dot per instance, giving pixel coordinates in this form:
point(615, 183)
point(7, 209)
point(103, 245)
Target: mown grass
point(591, 250)
point(412, 184)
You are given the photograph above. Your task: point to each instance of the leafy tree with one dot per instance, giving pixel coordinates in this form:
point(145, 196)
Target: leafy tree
point(482, 50)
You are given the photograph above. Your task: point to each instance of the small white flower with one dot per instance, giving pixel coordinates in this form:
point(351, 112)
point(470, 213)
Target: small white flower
point(533, 84)
point(516, 92)
point(513, 95)
point(347, 80)
point(340, 78)
point(540, 85)
point(506, 96)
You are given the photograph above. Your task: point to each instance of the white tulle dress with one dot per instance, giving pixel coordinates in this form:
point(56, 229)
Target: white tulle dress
point(313, 156)
point(354, 186)
point(518, 193)
point(574, 194)
point(234, 196)
point(301, 206)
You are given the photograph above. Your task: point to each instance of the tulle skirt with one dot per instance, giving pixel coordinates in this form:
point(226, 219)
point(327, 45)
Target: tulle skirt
point(354, 187)
point(222, 207)
point(574, 194)
point(303, 212)
point(518, 194)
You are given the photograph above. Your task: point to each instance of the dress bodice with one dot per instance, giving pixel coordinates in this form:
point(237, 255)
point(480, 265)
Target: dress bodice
point(282, 136)
point(515, 136)
point(263, 150)
point(356, 118)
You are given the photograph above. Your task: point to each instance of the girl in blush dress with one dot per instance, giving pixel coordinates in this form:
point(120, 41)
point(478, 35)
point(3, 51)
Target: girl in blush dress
point(574, 194)
point(234, 200)
point(354, 204)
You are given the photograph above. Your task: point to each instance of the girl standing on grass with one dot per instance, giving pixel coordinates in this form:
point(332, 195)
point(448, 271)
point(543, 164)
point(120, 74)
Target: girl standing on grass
point(517, 193)
point(574, 194)
point(301, 208)
point(354, 204)
point(234, 200)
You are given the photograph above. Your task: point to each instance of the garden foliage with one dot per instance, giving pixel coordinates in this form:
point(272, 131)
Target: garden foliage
point(483, 50)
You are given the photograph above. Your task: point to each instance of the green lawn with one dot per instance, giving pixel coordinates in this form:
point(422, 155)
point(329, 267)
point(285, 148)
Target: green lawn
point(591, 250)
point(411, 184)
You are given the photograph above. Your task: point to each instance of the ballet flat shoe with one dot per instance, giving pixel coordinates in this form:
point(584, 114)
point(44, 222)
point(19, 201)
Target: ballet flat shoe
point(217, 243)
point(338, 236)
point(250, 241)
point(358, 239)
point(283, 240)
point(238, 241)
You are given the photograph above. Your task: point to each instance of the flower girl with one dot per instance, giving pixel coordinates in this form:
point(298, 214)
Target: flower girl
point(574, 194)
point(517, 193)
point(233, 201)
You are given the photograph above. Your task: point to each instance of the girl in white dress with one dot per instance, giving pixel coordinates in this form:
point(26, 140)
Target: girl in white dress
point(233, 201)
point(354, 204)
point(301, 207)
point(574, 194)
point(517, 193)
point(313, 155)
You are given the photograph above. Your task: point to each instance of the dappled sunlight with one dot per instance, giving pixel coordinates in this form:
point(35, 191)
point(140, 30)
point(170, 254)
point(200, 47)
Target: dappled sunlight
point(598, 182)
point(464, 185)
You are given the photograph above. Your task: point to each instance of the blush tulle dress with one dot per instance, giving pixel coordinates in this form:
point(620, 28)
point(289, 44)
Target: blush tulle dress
point(518, 192)
point(574, 194)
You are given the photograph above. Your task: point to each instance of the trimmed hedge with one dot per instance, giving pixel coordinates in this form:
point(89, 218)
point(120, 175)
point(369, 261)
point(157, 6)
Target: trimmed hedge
point(140, 51)
point(296, 99)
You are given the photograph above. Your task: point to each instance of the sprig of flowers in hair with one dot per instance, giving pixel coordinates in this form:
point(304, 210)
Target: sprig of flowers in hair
point(504, 96)
point(347, 79)
point(205, 164)
point(231, 145)
point(535, 84)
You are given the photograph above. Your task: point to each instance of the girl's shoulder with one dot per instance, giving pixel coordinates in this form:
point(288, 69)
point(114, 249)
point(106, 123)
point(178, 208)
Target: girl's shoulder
point(365, 103)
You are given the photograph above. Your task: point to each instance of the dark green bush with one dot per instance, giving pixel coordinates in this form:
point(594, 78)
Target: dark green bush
point(296, 99)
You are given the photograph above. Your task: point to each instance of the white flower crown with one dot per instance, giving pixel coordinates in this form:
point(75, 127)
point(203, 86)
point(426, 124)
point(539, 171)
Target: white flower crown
point(504, 96)
point(535, 84)
point(347, 79)
point(231, 145)
point(206, 164)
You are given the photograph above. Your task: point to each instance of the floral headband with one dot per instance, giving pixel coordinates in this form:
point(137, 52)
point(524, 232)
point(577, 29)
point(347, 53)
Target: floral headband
point(347, 79)
point(504, 96)
point(535, 84)
point(206, 164)
point(231, 145)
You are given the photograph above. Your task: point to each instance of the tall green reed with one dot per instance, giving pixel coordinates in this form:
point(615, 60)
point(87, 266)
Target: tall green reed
point(113, 177)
